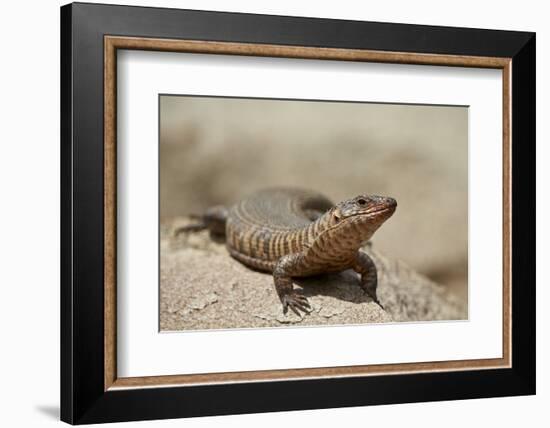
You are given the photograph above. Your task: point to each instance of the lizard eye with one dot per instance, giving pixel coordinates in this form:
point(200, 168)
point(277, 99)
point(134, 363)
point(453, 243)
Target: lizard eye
point(361, 201)
point(336, 218)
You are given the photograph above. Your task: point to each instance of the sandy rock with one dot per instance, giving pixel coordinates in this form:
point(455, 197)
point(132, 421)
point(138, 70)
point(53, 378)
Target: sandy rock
point(202, 287)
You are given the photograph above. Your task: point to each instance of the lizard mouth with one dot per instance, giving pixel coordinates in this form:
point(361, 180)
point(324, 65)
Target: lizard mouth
point(387, 207)
point(380, 210)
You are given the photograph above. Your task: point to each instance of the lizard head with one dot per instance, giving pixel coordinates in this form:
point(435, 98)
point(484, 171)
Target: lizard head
point(355, 220)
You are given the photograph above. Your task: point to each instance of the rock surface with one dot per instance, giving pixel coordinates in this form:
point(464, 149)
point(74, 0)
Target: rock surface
point(202, 287)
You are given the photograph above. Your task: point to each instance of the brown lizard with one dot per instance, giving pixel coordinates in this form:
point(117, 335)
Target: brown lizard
point(296, 233)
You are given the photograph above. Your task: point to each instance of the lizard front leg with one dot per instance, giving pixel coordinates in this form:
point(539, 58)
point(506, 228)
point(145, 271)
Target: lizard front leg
point(369, 276)
point(282, 274)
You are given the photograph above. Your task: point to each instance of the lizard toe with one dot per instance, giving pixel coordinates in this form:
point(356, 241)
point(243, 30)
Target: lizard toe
point(297, 303)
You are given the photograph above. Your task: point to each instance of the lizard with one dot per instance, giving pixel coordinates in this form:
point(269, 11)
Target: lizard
point(292, 232)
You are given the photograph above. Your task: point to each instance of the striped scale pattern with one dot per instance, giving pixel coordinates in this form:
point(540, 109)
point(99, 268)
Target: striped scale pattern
point(272, 223)
point(295, 232)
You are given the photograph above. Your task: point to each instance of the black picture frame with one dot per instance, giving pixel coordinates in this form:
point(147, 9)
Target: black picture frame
point(83, 398)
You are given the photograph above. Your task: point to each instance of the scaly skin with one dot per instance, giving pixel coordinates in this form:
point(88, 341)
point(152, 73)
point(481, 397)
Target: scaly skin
point(297, 233)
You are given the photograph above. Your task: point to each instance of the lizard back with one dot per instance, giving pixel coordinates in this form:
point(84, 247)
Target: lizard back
point(272, 223)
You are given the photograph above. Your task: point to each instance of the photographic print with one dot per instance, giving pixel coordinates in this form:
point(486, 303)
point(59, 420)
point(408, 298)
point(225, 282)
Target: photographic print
point(286, 212)
point(324, 201)
point(324, 187)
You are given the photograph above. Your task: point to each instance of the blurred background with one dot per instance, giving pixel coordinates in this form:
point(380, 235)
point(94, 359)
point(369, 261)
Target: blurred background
point(217, 150)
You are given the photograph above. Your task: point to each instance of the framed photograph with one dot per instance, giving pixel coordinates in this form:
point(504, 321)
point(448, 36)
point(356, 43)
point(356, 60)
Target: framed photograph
point(265, 213)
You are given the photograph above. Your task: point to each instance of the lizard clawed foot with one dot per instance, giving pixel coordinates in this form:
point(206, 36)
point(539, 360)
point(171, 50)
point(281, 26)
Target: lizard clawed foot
point(372, 294)
point(379, 304)
point(297, 302)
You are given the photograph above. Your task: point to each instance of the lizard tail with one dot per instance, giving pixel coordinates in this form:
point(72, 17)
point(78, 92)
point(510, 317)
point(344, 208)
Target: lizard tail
point(214, 220)
point(194, 227)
